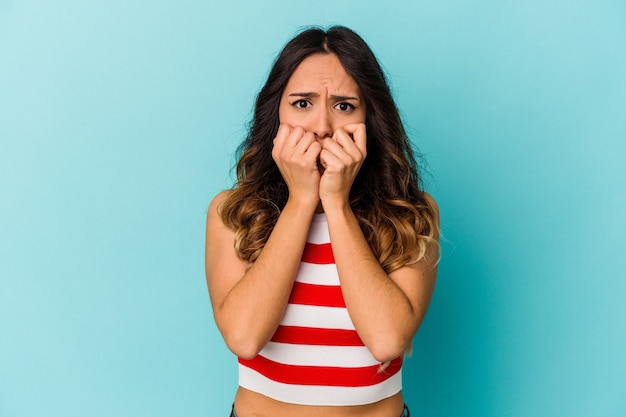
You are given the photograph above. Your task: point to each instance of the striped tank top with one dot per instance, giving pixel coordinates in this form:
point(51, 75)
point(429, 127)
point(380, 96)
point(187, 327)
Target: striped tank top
point(316, 356)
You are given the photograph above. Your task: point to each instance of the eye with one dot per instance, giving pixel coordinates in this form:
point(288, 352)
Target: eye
point(346, 107)
point(301, 104)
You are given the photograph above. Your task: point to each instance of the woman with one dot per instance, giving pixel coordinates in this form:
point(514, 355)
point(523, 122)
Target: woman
point(321, 262)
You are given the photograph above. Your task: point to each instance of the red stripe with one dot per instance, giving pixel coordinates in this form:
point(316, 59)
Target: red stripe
point(322, 375)
point(314, 336)
point(318, 254)
point(317, 295)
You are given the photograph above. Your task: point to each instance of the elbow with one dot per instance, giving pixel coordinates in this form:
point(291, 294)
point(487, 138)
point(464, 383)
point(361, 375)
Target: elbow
point(244, 352)
point(388, 355)
point(389, 349)
point(242, 338)
point(243, 345)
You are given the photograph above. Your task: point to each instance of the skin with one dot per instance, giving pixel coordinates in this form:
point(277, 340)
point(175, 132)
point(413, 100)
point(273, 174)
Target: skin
point(319, 149)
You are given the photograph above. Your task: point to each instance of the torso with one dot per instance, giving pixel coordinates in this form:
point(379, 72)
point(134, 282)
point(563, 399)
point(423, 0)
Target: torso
point(316, 307)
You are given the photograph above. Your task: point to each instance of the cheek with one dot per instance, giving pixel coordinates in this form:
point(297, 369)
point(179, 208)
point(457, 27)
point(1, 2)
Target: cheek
point(361, 116)
point(285, 112)
point(281, 114)
point(288, 116)
point(355, 118)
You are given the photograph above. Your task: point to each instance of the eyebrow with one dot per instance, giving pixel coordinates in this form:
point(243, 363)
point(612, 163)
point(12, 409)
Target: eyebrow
point(338, 98)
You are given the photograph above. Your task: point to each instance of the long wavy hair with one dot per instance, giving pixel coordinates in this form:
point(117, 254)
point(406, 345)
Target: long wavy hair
point(395, 215)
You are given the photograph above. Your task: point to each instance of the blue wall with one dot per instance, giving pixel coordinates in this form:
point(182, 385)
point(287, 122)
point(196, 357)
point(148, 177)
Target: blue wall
point(118, 123)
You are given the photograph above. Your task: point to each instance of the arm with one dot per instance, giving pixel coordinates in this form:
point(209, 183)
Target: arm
point(386, 309)
point(249, 301)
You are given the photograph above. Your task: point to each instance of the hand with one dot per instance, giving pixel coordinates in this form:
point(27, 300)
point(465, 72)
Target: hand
point(342, 157)
point(296, 153)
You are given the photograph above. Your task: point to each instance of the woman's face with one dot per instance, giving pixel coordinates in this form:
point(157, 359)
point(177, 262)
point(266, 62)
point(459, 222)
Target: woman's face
point(321, 97)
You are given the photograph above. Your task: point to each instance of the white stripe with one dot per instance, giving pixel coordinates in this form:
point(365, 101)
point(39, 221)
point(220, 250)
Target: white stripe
point(318, 232)
point(325, 274)
point(309, 355)
point(318, 395)
point(318, 317)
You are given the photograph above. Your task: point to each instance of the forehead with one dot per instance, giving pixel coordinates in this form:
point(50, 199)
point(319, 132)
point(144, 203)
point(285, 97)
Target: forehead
point(321, 71)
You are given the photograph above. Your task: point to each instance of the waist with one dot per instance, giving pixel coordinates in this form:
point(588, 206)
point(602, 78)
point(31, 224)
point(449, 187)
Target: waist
point(250, 403)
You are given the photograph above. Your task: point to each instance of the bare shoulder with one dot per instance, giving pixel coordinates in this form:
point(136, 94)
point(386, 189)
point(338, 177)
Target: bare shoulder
point(218, 200)
point(223, 266)
point(218, 235)
point(213, 214)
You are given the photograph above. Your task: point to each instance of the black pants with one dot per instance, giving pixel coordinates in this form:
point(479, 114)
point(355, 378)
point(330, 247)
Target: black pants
point(405, 413)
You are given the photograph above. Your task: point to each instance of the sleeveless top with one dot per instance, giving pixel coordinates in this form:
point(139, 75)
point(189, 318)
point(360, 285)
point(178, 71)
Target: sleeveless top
point(316, 356)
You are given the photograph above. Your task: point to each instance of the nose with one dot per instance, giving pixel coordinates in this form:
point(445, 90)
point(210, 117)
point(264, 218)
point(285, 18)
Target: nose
point(322, 124)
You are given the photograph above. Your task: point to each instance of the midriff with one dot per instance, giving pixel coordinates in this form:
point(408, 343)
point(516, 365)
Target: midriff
point(252, 404)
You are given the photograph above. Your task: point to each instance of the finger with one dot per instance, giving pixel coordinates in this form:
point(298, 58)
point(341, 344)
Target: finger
point(350, 148)
point(304, 142)
point(295, 136)
point(343, 138)
point(308, 149)
point(359, 135)
point(337, 148)
point(310, 144)
point(288, 136)
point(312, 153)
point(284, 130)
point(285, 141)
point(329, 159)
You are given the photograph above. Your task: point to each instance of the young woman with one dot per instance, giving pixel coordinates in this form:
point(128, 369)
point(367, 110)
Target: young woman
point(321, 262)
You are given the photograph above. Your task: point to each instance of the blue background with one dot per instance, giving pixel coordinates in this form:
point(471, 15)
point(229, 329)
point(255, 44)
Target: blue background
point(119, 121)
